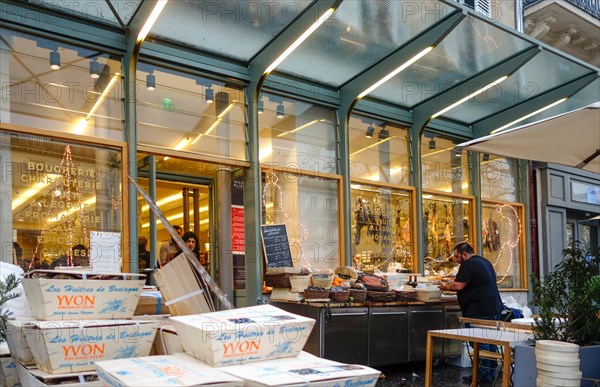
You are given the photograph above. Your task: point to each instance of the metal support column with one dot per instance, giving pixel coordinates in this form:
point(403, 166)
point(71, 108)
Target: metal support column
point(223, 237)
point(185, 193)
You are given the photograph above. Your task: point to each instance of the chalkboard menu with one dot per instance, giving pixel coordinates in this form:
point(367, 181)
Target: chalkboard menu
point(276, 246)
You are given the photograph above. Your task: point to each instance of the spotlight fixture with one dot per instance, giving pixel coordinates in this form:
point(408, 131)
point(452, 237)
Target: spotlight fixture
point(432, 144)
point(261, 106)
point(54, 60)
point(383, 134)
point(280, 111)
point(209, 95)
point(370, 131)
point(94, 69)
point(150, 82)
point(486, 157)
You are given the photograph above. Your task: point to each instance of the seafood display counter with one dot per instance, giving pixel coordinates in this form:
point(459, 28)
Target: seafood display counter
point(377, 334)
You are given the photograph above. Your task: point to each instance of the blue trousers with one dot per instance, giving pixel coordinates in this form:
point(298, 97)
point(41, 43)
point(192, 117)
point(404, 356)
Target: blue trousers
point(487, 368)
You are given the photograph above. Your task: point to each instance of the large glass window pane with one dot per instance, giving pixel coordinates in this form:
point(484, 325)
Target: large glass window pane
point(57, 86)
point(381, 228)
point(444, 167)
point(498, 178)
point(187, 113)
point(447, 221)
point(296, 134)
point(378, 151)
point(502, 237)
point(309, 207)
point(60, 191)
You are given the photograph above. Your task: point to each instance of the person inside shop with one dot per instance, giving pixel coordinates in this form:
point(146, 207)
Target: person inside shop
point(18, 255)
point(143, 254)
point(478, 296)
point(169, 249)
point(79, 257)
point(191, 240)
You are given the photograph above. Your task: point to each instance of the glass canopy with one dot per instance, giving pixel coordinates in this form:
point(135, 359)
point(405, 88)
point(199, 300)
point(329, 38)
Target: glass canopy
point(363, 35)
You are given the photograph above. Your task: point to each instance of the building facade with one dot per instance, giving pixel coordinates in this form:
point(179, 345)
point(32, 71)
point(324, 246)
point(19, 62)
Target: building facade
point(350, 140)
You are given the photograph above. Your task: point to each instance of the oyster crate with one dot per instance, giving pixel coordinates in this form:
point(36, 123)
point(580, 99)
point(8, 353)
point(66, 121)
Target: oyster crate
point(278, 280)
point(406, 295)
point(359, 295)
point(339, 296)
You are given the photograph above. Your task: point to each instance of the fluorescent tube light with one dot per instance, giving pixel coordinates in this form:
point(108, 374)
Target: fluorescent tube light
point(158, 8)
point(528, 115)
point(215, 124)
point(476, 93)
point(102, 97)
point(396, 72)
point(299, 41)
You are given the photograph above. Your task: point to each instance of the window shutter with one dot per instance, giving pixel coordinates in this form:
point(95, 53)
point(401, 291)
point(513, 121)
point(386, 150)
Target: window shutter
point(484, 7)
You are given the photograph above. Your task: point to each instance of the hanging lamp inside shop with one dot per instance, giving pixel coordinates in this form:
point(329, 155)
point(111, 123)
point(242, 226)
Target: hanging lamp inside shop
point(54, 60)
point(150, 82)
point(280, 111)
point(94, 69)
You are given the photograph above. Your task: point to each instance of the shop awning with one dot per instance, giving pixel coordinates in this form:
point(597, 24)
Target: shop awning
point(477, 75)
point(571, 139)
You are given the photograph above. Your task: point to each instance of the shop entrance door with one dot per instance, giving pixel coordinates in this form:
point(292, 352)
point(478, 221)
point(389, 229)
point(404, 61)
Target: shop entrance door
point(185, 201)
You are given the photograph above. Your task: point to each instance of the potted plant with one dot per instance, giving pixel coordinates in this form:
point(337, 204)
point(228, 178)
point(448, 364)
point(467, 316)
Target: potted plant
point(7, 293)
point(568, 299)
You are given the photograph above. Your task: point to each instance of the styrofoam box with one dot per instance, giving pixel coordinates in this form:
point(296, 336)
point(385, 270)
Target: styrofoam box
point(17, 344)
point(302, 370)
point(61, 347)
point(85, 299)
point(248, 334)
point(170, 370)
point(8, 368)
point(32, 377)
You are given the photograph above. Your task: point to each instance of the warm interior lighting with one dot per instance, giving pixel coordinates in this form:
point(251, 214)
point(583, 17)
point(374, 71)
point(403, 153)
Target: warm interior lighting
point(150, 82)
point(474, 94)
point(54, 60)
point(209, 95)
point(370, 131)
point(182, 143)
point(179, 216)
point(80, 126)
point(94, 69)
point(158, 8)
point(280, 111)
point(396, 72)
point(299, 41)
point(163, 201)
point(34, 190)
point(264, 152)
point(528, 115)
point(301, 127)
point(215, 124)
point(372, 145)
point(102, 97)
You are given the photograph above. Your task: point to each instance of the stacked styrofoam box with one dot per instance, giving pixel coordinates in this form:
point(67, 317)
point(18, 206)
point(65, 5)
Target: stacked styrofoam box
point(79, 322)
point(557, 363)
point(259, 345)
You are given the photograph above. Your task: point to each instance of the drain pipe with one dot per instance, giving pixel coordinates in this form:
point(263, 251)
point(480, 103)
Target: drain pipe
point(535, 257)
point(519, 15)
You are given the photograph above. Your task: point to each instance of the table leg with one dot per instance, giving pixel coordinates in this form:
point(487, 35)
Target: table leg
point(429, 361)
point(475, 362)
point(506, 367)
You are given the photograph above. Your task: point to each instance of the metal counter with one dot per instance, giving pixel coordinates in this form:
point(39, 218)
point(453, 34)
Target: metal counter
point(376, 335)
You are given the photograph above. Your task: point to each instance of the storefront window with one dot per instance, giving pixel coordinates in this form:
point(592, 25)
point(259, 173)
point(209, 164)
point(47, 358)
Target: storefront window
point(188, 113)
point(444, 167)
point(56, 86)
point(309, 208)
point(378, 151)
point(502, 240)
point(498, 178)
point(61, 192)
point(447, 221)
point(297, 135)
point(381, 229)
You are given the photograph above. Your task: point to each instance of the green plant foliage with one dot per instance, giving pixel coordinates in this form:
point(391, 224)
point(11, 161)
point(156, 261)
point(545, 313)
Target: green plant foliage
point(7, 293)
point(569, 299)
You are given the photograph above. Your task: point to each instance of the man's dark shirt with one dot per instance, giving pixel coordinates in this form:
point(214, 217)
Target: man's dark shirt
point(480, 296)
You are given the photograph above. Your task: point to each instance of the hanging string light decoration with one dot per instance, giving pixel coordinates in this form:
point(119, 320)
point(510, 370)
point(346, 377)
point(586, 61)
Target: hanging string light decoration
point(64, 189)
point(514, 235)
point(271, 181)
